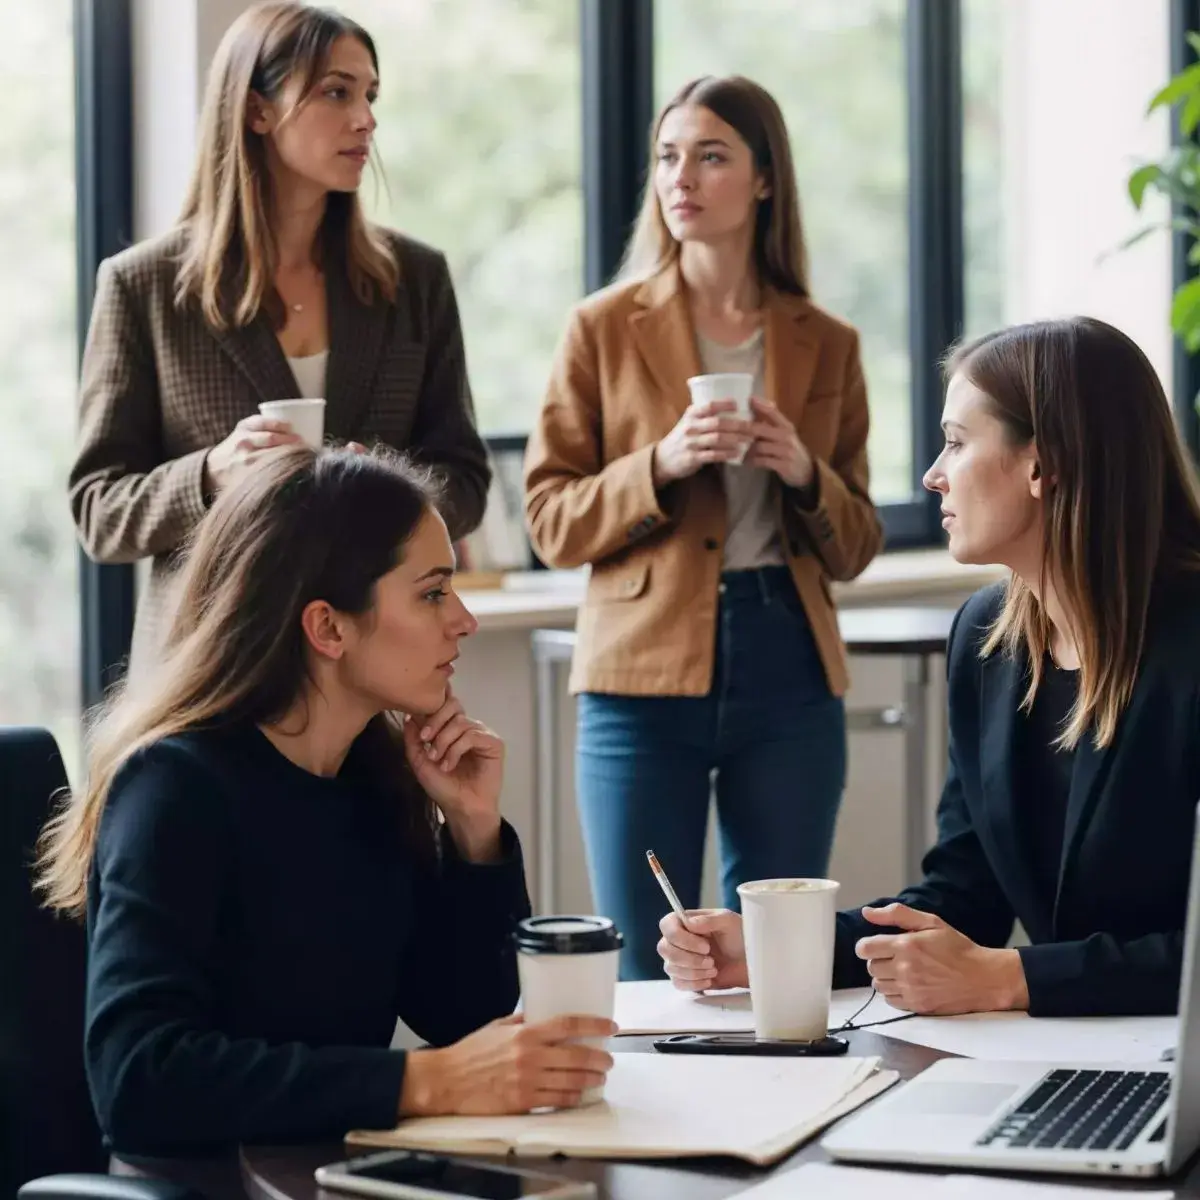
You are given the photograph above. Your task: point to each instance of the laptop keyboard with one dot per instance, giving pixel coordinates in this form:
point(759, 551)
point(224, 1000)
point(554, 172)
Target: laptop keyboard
point(1082, 1110)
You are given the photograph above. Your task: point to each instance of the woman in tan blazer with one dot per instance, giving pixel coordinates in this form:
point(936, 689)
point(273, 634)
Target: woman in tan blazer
point(272, 285)
point(708, 642)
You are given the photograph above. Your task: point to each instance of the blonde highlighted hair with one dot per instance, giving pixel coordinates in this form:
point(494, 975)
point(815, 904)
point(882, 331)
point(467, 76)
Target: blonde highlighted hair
point(780, 253)
point(1121, 514)
point(228, 264)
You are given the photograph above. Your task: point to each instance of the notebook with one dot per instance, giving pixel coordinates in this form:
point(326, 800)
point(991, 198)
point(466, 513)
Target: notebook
point(668, 1106)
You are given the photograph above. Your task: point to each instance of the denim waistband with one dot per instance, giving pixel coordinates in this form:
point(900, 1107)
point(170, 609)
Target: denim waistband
point(759, 586)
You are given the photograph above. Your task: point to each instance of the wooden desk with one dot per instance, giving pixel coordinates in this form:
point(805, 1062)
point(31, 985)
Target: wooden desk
point(286, 1173)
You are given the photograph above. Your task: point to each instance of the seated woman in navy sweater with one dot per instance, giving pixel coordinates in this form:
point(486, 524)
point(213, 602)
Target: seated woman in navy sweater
point(258, 851)
point(1074, 702)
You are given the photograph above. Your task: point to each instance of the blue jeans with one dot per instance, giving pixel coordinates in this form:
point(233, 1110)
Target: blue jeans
point(769, 730)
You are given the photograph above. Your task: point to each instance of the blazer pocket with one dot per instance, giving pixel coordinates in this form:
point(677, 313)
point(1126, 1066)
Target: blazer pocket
point(615, 584)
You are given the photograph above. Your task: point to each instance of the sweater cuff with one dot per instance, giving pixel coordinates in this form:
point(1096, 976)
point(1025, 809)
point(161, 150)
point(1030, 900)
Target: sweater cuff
point(374, 1101)
point(494, 886)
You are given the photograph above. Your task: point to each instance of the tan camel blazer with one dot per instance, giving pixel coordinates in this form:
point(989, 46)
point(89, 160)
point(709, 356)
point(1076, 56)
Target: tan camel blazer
point(619, 384)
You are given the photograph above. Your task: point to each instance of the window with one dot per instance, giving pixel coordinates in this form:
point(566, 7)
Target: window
point(479, 136)
point(39, 596)
point(983, 35)
point(837, 69)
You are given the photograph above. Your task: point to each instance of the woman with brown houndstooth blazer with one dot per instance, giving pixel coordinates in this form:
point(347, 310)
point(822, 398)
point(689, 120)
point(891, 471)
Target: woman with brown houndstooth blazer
point(272, 285)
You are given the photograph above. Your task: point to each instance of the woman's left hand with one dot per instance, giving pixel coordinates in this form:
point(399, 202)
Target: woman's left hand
point(933, 969)
point(460, 764)
point(777, 446)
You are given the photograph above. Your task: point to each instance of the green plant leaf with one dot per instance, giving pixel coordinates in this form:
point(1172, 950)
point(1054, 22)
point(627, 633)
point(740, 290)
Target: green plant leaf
point(1189, 115)
point(1176, 175)
point(1179, 88)
point(1193, 39)
point(1139, 236)
point(1140, 180)
point(1185, 314)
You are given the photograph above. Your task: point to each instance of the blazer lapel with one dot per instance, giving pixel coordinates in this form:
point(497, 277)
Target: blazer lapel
point(1002, 684)
point(790, 354)
point(1088, 774)
point(662, 332)
point(257, 352)
point(356, 338)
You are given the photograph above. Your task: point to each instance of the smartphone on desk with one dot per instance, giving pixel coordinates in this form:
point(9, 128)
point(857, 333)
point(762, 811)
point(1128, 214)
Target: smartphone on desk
point(415, 1175)
point(747, 1043)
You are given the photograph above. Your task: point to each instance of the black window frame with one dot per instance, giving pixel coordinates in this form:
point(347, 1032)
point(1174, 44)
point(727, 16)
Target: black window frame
point(617, 43)
point(617, 48)
point(103, 47)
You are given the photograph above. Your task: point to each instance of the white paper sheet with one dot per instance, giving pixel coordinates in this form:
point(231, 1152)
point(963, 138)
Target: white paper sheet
point(1018, 1037)
point(869, 1183)
point(665, 1105)
point(658, 1007)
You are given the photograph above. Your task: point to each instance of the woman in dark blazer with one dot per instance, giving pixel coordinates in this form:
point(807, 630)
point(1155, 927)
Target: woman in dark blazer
point(273, 285)
point(1074, 702)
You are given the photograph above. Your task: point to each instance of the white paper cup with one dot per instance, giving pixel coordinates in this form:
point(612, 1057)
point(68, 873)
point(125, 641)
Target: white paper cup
point(306, 417)
point(734, 385)
point(568, 967)
point(789, 929)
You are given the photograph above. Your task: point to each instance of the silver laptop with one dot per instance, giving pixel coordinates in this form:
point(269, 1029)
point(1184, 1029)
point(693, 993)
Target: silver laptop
point(1079, 1118)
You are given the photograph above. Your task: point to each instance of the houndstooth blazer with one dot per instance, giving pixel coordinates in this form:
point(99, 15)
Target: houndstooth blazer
point(160, 387)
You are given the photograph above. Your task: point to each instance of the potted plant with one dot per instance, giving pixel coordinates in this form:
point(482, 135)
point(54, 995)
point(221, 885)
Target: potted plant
point(1177, 176)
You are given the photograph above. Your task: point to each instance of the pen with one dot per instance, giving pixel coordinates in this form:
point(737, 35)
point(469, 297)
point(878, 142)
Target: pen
point(669, 892)
point(665, 884)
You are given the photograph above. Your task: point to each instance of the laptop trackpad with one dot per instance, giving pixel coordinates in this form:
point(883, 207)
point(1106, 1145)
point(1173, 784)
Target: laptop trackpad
point(956, 1099)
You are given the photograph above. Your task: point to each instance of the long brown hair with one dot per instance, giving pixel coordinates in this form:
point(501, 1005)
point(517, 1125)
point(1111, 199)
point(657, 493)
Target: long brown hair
point(780, 254)
point(228, 263)
point(1121, 513)
point(298, 527)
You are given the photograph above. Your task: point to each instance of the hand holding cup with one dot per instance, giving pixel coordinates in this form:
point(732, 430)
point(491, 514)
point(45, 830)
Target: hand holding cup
point(715, 428)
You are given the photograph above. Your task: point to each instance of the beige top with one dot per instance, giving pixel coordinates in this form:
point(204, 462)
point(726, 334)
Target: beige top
point(752, 535)
point(310, 374)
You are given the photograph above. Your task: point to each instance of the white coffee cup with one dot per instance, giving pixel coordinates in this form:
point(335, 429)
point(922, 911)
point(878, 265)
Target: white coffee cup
point(306, 417)
point(737, 386)
point(789, 929)
point(568, 967)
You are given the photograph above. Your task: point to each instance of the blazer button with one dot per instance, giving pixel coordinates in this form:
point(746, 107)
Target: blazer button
point(711, 544)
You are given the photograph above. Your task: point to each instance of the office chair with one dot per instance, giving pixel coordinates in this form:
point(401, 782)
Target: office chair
point(47, 1124)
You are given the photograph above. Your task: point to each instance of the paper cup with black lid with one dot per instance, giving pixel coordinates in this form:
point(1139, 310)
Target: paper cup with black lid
point(568, 967)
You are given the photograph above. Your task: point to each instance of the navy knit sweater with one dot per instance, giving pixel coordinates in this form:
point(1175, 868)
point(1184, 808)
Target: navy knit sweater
point(255, 930)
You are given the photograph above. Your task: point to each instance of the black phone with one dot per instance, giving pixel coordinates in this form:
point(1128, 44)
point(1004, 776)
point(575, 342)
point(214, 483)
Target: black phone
point(415, 1175)
point(747, 1043)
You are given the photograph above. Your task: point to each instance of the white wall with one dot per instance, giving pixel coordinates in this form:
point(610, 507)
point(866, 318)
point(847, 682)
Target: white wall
point(173, 43)
point(1078, 75)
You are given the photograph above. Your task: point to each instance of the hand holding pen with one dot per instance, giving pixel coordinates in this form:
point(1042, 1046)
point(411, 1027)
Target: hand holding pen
point(700, 949)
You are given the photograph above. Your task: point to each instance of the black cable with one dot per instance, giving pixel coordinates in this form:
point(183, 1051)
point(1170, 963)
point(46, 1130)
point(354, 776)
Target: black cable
point(848, 1026)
